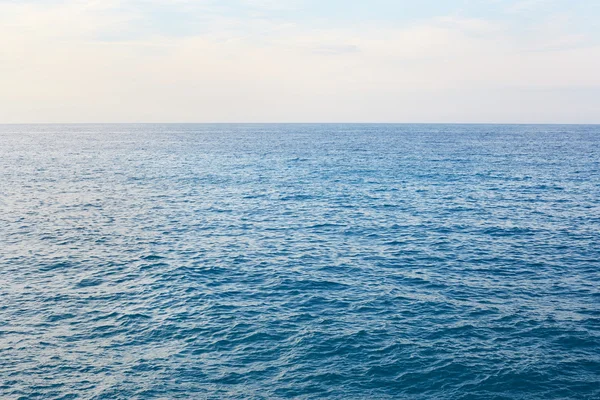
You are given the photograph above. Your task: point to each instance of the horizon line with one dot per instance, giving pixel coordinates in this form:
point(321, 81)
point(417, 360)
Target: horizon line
point(300, 123)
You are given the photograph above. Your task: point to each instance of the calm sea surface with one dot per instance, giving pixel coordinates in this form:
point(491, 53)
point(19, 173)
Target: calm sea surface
point(299, 261)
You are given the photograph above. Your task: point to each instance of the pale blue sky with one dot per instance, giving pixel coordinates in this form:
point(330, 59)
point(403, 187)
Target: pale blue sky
point(299, 61)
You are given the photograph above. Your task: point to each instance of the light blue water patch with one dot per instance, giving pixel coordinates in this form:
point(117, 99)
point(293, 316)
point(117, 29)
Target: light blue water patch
point(299, 261)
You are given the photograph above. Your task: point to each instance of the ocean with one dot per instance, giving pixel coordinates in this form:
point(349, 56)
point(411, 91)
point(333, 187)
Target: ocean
point(299, 261)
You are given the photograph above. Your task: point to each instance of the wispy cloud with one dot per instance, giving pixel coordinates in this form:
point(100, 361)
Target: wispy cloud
point(521, 6)
point(334, 49)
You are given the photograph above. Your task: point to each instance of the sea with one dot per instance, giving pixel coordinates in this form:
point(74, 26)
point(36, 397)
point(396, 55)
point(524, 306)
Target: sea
point(299, 261)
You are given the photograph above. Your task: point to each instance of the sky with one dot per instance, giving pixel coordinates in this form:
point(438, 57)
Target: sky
point(490, 61)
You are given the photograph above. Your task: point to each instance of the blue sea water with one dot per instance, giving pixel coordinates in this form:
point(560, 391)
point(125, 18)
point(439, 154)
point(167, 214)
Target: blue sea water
point(299, 261)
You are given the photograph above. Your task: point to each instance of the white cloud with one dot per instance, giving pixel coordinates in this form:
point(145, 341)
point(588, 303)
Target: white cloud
point(521, 6)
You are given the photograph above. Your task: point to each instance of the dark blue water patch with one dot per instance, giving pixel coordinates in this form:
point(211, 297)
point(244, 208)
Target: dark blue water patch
point(300, 261)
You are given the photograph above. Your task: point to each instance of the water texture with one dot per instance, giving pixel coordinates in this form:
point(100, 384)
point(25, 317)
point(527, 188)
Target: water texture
point(299, 261)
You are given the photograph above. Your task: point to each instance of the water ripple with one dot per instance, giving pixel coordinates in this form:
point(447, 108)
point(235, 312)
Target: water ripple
point(299, 261)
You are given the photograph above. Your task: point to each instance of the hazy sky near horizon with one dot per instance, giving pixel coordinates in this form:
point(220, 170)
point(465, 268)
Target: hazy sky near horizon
point(300, 61)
